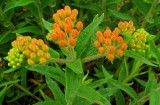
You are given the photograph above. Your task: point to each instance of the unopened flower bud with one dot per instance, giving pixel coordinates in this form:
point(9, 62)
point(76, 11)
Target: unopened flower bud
point(42, 60)
point(63, 43)
point(101, 50)
point(79, 25)
point(110, 57)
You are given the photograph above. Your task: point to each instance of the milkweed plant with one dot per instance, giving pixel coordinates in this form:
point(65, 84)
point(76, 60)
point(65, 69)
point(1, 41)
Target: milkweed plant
point(78, 63)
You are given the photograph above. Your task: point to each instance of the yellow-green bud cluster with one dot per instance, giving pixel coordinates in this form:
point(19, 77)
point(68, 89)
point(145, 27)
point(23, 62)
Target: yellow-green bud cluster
point(26, 48)
point(138, 42)
point(126, 28)
point(15, 58)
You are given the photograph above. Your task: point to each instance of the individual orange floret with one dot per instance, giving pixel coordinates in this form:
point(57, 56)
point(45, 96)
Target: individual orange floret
point(124, 46)
point(111, 49)
point(61, 35)
point(63, 43)
point(32, 55)
point(101, 50)
point(99, 34)
point(61, 13)
point(115, 32)
point(107, 33)
point(79, 25)
point(67, 10)
point(55, 25)
point(47, 55)
point(74, 33)
point(110, 57)
point(119, 52)
point(40, 53)
point(27, 52)
point(54, 36)
point(45, 47)
point(30, 61)
point(119, 39)
point(40, 42)
point(72, 42)
point(113, 38)
point(102, 39)
point(97, 44)
point(56, 17)
point(61, 24)
point(34, 41)
point(68, 28)
point(33, 47)
point(42, 60)
point(108, 41)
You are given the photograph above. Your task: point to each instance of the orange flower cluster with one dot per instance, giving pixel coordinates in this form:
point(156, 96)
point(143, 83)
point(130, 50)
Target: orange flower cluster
point(138, 41)
point(65, 29)
point(126, 28)
point(24, 47)
point(37, 52)
point(110, 44)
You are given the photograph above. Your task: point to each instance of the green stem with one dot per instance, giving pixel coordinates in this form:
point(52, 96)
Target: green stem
point(150, 12)
point(40, 12)
point(59, 60)
point(104, 7)
point(94, 57)
point(134, 71)
point(28, 92)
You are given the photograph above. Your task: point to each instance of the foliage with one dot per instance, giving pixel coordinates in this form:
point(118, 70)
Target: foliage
point(79, 52)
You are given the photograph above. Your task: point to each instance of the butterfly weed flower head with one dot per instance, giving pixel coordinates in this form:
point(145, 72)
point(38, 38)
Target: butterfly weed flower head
point(110, 44)
point(24, 48)
point(66, 28)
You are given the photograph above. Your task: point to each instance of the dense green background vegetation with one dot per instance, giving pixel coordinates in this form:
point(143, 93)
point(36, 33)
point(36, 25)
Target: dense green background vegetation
point(130, 80)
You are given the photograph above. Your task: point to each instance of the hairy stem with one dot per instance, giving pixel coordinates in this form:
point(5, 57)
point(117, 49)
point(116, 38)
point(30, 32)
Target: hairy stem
point(94, 57)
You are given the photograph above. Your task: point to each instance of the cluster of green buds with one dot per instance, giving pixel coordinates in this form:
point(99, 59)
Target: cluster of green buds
point(15, 58)
point(138, 42)
point(126, 28)
point(25, 48)
point(110, 44)
point(65, 29)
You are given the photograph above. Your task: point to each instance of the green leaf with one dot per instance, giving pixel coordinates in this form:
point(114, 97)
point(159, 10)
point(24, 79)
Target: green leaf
point(123, 16)
point(137, 56)
point(154, 98)
point(100, 82)
point(45, 97)
point(56, 91)
point(154, 51)
point(85, 36)
point(16, 3)
point(155, 23)
point(76, 66)
point(124, 87)
point(90, 6)
point(142, 6)
point(7, 36)
point(47, 25)
point(53, 53)
point(120, 100)
point(105, 72)
point(49, 72)
point(124, 71)
point(2, 93)
point(152, 82)
point(81, 101)
point(92, 95)
point(141, 82)
point(33, 29)
point(73, 82)
point(47, 103)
